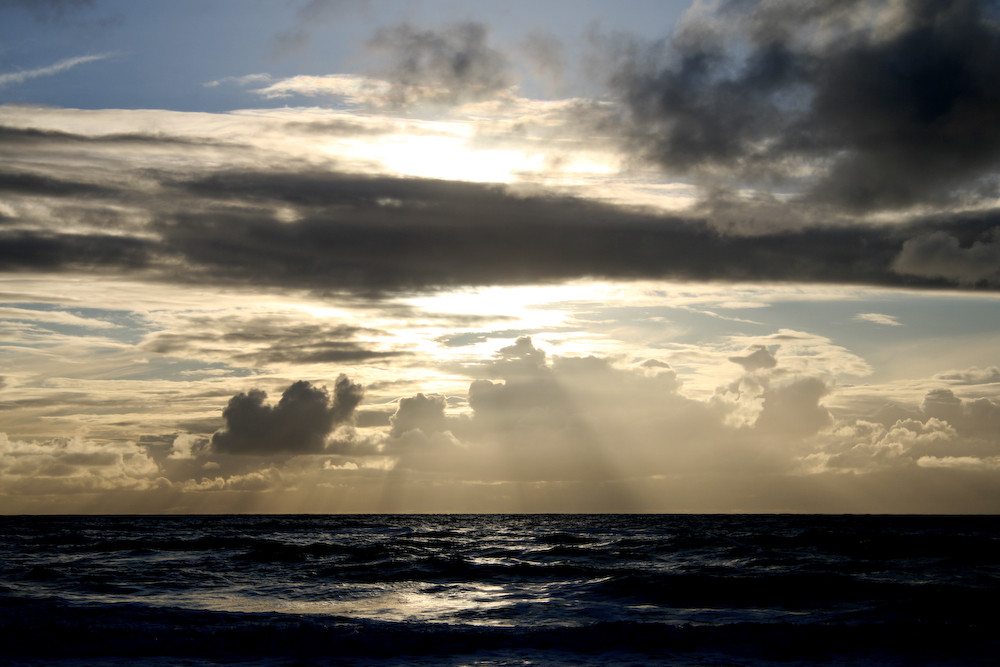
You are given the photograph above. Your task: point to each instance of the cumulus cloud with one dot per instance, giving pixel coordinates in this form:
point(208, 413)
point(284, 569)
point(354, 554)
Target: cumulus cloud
point(860, 105)
point(945, 431)
point(528, 392)
point(781, 399)
point(794, 407)
point(75, 465)
point(418, 412)
point(187, 446)
point(299, 423)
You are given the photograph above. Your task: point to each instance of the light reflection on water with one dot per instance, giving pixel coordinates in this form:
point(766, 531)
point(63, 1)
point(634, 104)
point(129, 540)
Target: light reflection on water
point(422, 603)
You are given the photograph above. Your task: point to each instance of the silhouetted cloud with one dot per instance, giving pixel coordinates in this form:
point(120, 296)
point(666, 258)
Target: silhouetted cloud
point(370, 234)
point(24, 250)
point(860, 105)
point(299, 423)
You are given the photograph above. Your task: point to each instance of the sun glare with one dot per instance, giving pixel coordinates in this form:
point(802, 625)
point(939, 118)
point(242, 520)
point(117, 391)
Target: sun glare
point(451, 158)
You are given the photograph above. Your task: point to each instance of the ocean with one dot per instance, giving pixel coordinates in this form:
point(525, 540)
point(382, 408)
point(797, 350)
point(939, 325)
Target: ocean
point(491, 590)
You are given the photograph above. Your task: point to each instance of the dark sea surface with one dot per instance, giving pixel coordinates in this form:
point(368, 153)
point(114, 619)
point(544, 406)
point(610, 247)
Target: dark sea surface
point(500, 590)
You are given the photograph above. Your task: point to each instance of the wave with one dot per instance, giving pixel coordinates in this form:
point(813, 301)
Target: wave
point(50, 629)
point(507, 590)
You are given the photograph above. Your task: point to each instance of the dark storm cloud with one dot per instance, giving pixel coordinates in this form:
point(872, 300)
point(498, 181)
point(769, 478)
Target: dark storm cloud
point(450, 65)
point(371, 233)
point(34, 184)
point(299, 423)
point(41, 251)
point(374, 235)
point(886, 113)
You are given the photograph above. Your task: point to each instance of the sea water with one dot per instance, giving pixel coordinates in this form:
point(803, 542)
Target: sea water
point(493, 590)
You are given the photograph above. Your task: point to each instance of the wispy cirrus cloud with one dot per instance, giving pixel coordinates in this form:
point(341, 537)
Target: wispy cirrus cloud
point(14, 78)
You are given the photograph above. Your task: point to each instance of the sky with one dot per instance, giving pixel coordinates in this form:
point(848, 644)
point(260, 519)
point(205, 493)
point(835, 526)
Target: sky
point(324, 256)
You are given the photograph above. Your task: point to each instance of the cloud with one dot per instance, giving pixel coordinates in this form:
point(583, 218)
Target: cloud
point(988, 375)
point(759, 359)
point(332, 230)
point(53, 317)
point(418, 412)
point(187, 446)
point(515, 238)
point(260, 77)
point(452, 65)
point(75, 465)
point(945, 431)
point(862, 106)
point(878, 318)
point(940, 255)
point(352, 89)
point(794, 408)
point(14, 78)
point(265, 338)
point(299, 423)
point(359, 233)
